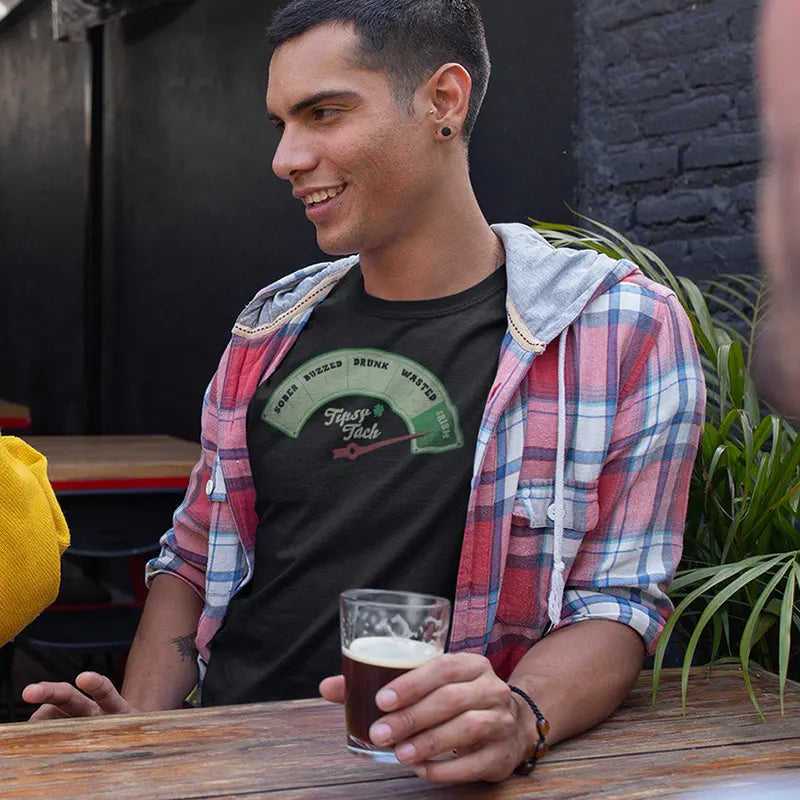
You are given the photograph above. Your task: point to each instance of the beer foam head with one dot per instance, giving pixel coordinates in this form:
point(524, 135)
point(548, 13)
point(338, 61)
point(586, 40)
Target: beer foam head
point(391, 652)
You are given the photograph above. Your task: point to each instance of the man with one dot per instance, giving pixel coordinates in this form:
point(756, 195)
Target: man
point(460, 410)
point(777, 360)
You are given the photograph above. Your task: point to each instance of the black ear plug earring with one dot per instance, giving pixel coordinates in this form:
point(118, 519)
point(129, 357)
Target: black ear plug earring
point(446, 131)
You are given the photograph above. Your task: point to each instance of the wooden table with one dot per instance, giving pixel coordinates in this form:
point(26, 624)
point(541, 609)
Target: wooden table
point(14, 415)
point(113, 463)
point(296, 750)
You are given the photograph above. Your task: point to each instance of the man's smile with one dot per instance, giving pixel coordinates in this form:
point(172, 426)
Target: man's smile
point(316, 196)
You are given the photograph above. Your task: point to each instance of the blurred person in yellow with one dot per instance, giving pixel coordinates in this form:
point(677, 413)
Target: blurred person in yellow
point(33, 535)
point(777, 362)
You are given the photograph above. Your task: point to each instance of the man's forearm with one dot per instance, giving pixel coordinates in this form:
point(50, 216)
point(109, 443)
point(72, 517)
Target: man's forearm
point(578, 675)
point(162, 665)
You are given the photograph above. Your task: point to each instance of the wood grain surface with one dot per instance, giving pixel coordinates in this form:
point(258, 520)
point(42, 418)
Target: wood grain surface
point(115, 458)
point(296, 750)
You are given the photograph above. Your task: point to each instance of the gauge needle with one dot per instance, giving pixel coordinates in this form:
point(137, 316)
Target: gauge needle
point(353, 450)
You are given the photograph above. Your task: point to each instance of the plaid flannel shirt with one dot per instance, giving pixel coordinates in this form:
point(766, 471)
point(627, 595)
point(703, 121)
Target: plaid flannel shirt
point(634, 397)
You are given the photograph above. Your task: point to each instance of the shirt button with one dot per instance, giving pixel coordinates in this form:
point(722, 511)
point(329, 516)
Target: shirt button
point(554, 512)
point(209, 487)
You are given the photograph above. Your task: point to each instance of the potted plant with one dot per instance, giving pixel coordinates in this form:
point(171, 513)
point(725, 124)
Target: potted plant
point(740, 573)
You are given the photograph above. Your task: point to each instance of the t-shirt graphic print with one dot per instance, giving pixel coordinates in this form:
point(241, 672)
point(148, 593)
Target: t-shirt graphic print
point(388, 383)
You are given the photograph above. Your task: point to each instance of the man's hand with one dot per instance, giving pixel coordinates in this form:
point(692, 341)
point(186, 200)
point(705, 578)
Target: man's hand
point(777, 346)
point(577, 675)
point(62, 700)
point(454, 702)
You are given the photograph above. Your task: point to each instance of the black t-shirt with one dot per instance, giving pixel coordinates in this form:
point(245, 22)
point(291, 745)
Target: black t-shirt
point(361, 445)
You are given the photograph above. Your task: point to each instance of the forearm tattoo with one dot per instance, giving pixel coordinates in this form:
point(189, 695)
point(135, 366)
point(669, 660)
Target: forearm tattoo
point(185, 646)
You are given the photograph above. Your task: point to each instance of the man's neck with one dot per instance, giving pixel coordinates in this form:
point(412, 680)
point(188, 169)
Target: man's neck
point(453, 250)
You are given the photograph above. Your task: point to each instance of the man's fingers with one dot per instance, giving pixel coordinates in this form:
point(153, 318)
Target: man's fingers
point(438, 707)
point(47, 712)
point(444, 704)
point(62, 695)
point(465, 733)
point(59, 700)
point(102, 691)
point(486, 764)
point(417, 683)
point(333, 689)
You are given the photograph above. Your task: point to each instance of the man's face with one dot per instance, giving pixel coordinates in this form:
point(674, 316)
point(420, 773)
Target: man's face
point(358, 161)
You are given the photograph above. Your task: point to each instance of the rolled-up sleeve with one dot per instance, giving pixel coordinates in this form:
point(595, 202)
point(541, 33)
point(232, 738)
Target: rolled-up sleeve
point(184, 547)
point(626, 562)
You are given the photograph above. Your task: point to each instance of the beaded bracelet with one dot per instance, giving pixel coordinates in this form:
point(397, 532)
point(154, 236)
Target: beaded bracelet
point(542, 728)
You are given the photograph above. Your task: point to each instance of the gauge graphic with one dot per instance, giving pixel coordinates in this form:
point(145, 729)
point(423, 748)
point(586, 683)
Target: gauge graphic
point(414, 393)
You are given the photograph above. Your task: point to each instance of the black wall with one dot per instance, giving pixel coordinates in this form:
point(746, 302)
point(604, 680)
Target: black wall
point(194, 220)
point(41, 219)
point(667, 139)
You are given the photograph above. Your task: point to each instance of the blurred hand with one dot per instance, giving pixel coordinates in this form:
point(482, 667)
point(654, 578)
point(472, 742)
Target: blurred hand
point(63, 700)
point(776, 360)
point(452, 702)
point(779, 95)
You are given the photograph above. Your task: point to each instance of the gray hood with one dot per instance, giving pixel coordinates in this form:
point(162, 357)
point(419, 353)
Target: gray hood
point(548, 288)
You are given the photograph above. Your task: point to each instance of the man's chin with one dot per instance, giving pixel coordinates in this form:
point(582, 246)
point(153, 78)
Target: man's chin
point(334, 247)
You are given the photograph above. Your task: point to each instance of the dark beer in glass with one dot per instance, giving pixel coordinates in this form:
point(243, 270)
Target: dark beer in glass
point(384, 634)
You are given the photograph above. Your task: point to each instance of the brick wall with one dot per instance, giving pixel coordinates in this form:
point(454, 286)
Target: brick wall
point(667, 140)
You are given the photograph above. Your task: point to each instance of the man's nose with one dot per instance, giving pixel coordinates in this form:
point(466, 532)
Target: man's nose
point(293, 154)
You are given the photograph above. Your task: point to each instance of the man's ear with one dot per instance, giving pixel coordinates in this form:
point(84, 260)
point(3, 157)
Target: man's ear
point(447, 94)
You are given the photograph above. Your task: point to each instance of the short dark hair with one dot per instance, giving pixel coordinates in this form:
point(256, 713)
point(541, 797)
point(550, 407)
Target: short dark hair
point(408, 40)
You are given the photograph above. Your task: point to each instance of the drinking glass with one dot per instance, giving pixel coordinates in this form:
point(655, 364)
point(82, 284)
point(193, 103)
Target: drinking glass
point(384, 634)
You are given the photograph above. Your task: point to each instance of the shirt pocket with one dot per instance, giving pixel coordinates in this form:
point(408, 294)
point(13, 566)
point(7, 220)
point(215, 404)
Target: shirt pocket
point(534, 510)
point(529, 560)
point(215, 486)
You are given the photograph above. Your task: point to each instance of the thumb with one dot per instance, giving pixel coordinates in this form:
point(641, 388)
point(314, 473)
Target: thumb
point(102, 691)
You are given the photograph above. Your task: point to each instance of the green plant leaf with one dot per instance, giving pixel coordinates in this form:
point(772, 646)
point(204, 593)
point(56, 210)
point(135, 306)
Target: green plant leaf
point(766, 622)
point(709, 578)
point(746, 576)
point(720, 572)
point(736, 374)
point(727, 423)
point(718, 633)
point(763, 431)
point(712, 441)
point(749, 450)
point(704, 332)
point(732, 296)
point(656, 269)
point(785, 632)
point(755, 511)
point(786, 469)
point(745, 646)
point(731, 332)
point(750, 400)
point(716, 460)
point(724, 372)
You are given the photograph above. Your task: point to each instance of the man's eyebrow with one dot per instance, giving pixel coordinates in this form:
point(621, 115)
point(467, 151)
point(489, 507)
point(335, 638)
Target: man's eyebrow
point(312, 100)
